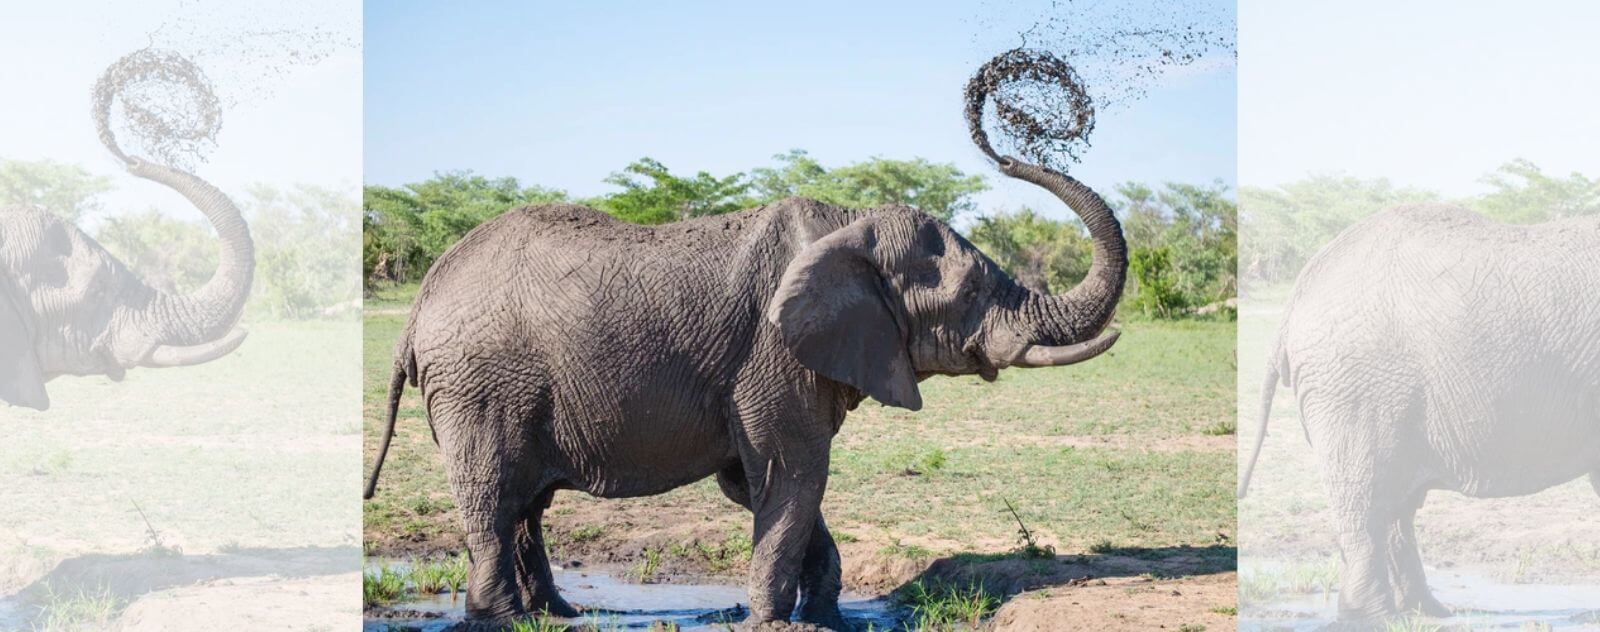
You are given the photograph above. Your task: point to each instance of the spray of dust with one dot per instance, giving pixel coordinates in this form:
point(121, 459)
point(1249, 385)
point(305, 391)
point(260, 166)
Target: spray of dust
point(1082, 57)
point(156, 104)
point(168, 110)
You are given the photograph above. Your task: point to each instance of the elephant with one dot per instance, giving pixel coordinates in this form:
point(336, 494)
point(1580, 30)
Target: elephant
point(69, 307)
point(558, 348)
point(1431, 348)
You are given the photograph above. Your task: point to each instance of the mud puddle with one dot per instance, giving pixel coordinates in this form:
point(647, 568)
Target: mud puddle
point(1480, 602)
point(613, 602)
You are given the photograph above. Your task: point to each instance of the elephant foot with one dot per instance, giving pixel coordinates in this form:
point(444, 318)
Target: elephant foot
point(550, 603)
point(1426, 606)
point(782, 626)
point(826, 616)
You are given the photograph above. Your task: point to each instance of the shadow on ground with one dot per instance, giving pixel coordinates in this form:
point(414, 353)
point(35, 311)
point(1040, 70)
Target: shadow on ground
point(122, 579)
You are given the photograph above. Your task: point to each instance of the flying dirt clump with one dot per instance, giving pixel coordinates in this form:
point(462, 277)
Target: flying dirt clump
point(1041, 109)
point(1080, 59)
point(168, 108)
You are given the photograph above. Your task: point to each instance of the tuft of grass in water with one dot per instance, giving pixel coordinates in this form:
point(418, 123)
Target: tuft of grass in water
point(80, 609)
point(1410, 624)
point(541, 622)
point(663, 626)
point(1301, 579)
point(431, 577)
point(942, 606)
point(645, 570)
point(382, 586)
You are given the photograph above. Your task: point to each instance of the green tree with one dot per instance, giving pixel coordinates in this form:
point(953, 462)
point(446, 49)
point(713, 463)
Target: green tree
point(169, 254)
point(406, 228)
point(68, 191)
point(1523, 194)
point(1284, 226)
point(940, 190)
point(1042, 254)
point(652, 195)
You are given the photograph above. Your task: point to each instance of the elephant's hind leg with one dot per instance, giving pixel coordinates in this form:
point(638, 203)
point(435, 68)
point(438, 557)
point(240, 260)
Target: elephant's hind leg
point(1405, 565)
point(538, 587)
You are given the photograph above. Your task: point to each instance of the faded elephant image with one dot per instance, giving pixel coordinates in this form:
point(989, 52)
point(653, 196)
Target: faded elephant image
point(1432, 349)
point(161, 469)
point(1419, 318)
point(70, 307)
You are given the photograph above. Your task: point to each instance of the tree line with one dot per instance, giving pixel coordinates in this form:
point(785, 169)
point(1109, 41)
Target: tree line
point(1285, 226)
point(1182, 237)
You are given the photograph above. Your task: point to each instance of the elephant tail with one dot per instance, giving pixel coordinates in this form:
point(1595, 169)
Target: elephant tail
point(397, 386)
point(1269, 389)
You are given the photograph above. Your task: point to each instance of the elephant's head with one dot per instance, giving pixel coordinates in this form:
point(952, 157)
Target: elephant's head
point(67, 307)
point(897, 296)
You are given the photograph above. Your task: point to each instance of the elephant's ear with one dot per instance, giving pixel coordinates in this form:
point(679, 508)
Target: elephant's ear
point(836, 314)
point(21, 380)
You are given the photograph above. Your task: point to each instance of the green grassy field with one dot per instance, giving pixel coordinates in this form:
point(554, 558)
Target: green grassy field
point(1130, 450)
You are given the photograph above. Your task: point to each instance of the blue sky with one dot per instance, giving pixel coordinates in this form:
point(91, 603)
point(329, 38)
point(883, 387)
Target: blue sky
point(1428, 94)
point(564, 94)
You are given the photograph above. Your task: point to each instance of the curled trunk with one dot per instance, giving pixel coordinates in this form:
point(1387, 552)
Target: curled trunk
point(207, 315)
point(1084, 311)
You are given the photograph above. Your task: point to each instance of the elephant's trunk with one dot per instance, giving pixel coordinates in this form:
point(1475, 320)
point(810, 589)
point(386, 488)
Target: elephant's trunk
point(201, 319)
point(1031, 328)
point(1084, 311)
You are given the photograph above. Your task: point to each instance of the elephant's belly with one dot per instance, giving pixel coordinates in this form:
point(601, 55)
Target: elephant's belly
point(1519, 470)
point(642, 446)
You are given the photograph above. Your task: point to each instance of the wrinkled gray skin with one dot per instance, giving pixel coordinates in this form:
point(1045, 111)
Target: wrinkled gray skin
point(1433, 349)
point(557, 348)
point(67, 307)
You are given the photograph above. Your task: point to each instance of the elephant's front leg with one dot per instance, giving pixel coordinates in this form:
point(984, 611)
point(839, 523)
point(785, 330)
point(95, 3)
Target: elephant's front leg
point(787, 501)
point(819, 571)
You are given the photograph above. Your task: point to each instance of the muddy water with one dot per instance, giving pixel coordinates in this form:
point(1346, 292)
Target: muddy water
point(617, 603)
point(1480, 602)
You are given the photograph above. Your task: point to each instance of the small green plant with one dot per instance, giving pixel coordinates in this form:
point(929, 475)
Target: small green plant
point(78, 609)
point(154, 546)
point(895, 548)
point(645, 571)
point(1410, 624)
point(1226, 610)
point(586, 533)
point(1222, 428)
point(1102, 547)
point(382, 586)
point(942, 606)
point(1027, 547)
point(1191, 627)
point(541, 622)
point(431, 577)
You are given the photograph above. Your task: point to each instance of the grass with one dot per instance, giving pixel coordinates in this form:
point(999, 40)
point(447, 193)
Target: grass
point(383, 586)
point(1124, 449)
point(1303, 578)
point(936, 606)
point(72, 610)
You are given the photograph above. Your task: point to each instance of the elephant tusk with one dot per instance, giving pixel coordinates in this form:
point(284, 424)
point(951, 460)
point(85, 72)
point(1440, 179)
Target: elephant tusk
point(1042, 356)
point(167, 356)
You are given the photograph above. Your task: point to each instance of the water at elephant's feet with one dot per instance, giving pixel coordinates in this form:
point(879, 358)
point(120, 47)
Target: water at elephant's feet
point(1494, 604)
point(618, 603)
